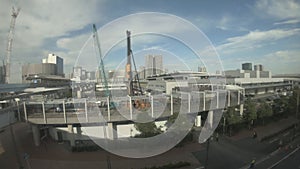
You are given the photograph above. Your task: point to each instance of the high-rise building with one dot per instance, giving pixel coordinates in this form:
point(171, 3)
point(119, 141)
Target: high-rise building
point(247, 66)
point(58, 61)
point(202, 69)
point(258, 67)
point(153, 65)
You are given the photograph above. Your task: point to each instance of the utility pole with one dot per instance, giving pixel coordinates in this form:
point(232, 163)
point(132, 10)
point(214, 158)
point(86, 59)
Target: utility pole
point(14, 15)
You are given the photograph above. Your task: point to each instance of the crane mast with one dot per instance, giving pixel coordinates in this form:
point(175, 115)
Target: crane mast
point(96, 38)
point(128, 68)
point(14, 15)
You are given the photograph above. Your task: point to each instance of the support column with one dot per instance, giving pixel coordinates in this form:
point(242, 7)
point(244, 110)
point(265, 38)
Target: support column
point(189, 102)
point(36, 134)
point(210, 118)
point(130, 107)
point(64, 110)
point(44, 113)
point(204, 100)
point(228, 98)
point(241, 109)
point(152, 107)
point(86, 111)
point(71, 135)
point(108, 108)
point(112, 132)
point(78, 131)
point(25, 112)
point(172, 108)
point(198, 121)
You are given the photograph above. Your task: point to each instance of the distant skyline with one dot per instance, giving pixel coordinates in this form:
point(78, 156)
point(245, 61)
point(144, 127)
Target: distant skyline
point(263, 32)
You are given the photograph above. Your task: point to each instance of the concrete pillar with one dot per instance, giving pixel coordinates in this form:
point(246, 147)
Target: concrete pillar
point(198, 121)
point(71, 135)
point(241, 109)
point(25, 112)
point(152, 107)
point(79, 94)
point(204, 100)
point(108, 108)
point(86, 111)
point(172, 108)
point(36, 134)
point(210, 118)
point(189, 102)
point(78, 130)
point(112, 132)
point(228, 98)
point(130, 107)
point(64, 110)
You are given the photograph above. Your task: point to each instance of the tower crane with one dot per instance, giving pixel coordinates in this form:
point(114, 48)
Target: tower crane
point(14, 15)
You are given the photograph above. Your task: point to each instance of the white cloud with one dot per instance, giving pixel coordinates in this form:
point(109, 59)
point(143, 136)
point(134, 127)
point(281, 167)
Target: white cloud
point(281, 9)
point(255, 39)
point(285, 56)
point(291, 21)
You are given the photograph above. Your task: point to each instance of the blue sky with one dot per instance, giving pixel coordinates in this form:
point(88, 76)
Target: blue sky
point(261, 31)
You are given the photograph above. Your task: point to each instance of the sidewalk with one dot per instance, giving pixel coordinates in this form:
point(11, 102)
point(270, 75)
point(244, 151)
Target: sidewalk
point(266, 131)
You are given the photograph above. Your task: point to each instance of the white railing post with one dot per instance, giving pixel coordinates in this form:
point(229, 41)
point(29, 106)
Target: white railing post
point(25, 112)
point(204, 96)
point(239, 97)
point(218, 92)
point(189, 102)
point(172, 104)
point(108, 108)
point(44, 113)
point(130, 107)
point(152, 107)
point(86, 111)
point(228, 98)
point(64, 110)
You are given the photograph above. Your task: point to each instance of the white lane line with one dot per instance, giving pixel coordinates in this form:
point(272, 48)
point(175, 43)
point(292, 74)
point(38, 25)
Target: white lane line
point(272, 141)
point(287, 156)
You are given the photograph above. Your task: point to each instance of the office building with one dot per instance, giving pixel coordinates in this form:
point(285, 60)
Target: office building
point(258, 67)
point(247, 66)
point(153, 65)
point(58, 61)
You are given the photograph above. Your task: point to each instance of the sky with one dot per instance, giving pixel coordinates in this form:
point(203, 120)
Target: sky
point(224, 34)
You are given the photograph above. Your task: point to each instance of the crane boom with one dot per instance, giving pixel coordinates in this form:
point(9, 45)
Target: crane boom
point(101, 66)
point(14, 15)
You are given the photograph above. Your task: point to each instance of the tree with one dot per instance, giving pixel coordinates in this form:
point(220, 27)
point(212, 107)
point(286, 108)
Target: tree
point(146, 129)
point(250, 113)
point(293, 104)
point(232, 118)
point(281, 105)
point(264, 110)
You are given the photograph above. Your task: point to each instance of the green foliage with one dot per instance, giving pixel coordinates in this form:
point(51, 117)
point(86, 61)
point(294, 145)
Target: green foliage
point(292, 102)
point(281, 105)
point(250, 113)
point(148, 129)
point(232, 116)
point(264, 110)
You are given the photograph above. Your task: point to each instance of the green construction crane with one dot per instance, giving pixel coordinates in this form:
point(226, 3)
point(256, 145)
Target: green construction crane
point(101, 66)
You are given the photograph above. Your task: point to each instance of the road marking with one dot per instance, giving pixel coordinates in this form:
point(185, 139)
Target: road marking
point(287, 156)
point(272, 141)
point(285, 134)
